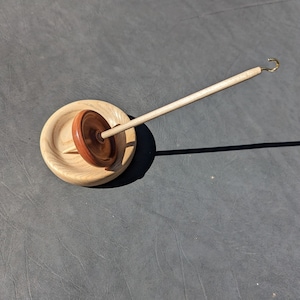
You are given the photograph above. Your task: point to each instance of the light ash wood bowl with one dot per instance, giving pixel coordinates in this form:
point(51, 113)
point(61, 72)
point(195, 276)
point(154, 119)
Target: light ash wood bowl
point(56, 137)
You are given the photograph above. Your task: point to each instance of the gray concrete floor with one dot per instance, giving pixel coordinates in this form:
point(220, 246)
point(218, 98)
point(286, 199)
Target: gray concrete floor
point(209, 208)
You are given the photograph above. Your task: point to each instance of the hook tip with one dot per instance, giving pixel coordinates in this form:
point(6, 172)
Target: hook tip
point(277, 64)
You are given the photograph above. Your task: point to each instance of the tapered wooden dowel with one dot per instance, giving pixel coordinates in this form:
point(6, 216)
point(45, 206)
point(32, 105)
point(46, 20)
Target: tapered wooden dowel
point(184, 101)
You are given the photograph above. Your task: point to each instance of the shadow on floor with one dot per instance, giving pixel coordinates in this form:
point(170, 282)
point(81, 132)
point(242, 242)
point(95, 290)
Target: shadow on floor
point(142, 160)
point(146, 152)
point(227, 148)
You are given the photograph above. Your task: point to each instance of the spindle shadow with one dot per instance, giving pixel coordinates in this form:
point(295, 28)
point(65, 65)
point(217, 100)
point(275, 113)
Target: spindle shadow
point(146, 152)
point(142, 160)
point(228, 148)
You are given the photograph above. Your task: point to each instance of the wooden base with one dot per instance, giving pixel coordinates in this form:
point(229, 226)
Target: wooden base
point(56, 137)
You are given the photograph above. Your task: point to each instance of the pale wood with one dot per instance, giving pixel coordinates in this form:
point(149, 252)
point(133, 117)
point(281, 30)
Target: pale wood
point(185, 101)
point(70, 150)
point(62, 157)
point(56, 139)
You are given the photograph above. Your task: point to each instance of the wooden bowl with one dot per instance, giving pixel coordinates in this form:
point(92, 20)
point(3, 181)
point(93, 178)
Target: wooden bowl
point(56, 137)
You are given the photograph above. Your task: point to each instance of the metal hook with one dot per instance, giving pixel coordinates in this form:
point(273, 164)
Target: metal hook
point(273, 69)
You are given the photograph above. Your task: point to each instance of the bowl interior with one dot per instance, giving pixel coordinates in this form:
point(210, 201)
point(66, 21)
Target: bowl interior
point(56, 137)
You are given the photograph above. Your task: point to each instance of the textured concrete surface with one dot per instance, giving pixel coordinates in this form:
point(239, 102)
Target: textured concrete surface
point(209, 208)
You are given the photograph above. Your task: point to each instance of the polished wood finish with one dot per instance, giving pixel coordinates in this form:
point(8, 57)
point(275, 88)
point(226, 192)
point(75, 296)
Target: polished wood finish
point(56, 137)
point(86, 131)
point(98, 138)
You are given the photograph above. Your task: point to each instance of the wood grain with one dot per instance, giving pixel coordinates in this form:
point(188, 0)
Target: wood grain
point(56, 137)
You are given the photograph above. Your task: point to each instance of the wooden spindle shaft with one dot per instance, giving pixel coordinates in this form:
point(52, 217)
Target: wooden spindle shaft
point(184, 101)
